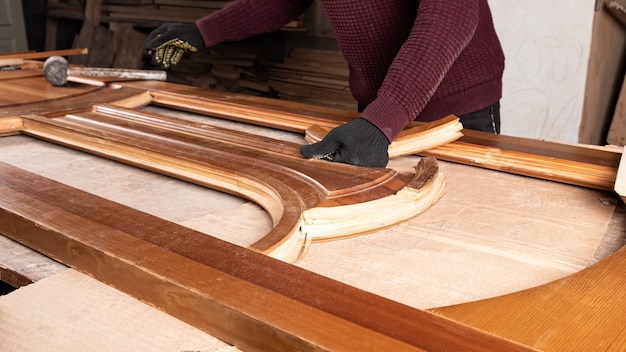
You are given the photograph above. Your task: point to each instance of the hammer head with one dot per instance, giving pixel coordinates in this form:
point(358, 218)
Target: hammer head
point(55, 70)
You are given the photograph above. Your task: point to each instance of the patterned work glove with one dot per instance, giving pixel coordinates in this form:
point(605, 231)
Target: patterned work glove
point(170, 41)
point(357, 142)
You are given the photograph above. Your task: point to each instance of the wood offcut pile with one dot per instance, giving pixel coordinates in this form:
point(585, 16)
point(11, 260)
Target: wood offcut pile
point(318, 77)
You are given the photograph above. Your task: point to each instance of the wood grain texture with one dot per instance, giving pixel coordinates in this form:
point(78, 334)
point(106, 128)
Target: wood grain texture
point(577, 313)
point(238, 295)
point(267, 171)
point(583, 312)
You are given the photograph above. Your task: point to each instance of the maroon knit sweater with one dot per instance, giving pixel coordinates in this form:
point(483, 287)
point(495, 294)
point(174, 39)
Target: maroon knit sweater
point(406, 61)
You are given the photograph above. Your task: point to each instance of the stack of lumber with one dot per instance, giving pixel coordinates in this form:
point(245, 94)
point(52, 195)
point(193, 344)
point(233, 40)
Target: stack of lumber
point(223, 67)
point(317, 77)
point(150, 13)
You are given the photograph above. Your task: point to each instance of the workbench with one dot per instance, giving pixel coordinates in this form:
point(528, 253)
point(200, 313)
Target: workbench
point(492, 233)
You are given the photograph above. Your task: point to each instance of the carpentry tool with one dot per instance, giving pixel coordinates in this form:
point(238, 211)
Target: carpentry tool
point(56, 70)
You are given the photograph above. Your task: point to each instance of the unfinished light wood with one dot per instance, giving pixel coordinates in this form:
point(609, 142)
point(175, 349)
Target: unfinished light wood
point(238, 295)
point(267, 171)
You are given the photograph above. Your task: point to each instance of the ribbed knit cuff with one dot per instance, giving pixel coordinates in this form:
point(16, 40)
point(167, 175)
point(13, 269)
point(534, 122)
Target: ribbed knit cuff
point(388, 116)
point(210, 31)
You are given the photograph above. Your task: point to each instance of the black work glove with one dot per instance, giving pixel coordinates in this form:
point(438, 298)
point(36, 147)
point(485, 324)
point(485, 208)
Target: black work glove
point(170, 41)
point(357, 142)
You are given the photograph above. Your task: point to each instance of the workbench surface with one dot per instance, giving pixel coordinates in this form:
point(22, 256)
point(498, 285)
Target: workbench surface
point(492, 233)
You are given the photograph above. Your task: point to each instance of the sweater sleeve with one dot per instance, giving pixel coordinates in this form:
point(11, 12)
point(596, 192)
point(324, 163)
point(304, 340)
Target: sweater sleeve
point(246, 18)
point(440, 33)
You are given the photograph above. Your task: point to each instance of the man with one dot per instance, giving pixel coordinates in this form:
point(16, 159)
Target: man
point(408, 59)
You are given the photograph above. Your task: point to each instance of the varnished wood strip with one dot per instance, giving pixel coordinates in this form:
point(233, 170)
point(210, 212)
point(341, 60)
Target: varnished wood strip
point(280, 114)
point(570, 152)
point(242, 297)
point(550, 168)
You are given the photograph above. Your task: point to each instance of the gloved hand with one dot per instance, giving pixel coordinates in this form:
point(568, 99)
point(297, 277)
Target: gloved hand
point(357, 142)
point(170, 41)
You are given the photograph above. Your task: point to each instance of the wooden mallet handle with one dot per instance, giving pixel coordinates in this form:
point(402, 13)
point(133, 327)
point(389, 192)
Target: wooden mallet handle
point(56, 70)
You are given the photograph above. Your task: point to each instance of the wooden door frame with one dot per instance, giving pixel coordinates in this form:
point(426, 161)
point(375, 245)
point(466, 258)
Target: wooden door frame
point(259, 303)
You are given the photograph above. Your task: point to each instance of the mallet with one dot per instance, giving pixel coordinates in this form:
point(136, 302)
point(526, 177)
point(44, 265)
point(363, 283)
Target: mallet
point(56, 71)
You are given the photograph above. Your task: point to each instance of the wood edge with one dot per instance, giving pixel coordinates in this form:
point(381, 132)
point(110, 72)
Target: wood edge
point(331, 223)
point(620, 179)
point(11, 125)
point(45, 54)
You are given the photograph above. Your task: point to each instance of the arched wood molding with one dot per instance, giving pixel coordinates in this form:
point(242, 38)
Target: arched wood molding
point(294, 191)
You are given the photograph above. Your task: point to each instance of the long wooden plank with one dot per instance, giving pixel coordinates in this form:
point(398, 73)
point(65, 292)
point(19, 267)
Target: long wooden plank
point(243, 297)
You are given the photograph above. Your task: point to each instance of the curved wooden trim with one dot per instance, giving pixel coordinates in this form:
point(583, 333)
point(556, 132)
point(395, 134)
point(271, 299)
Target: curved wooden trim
point(411, 140)
point(269, 172)
point(426, 188)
